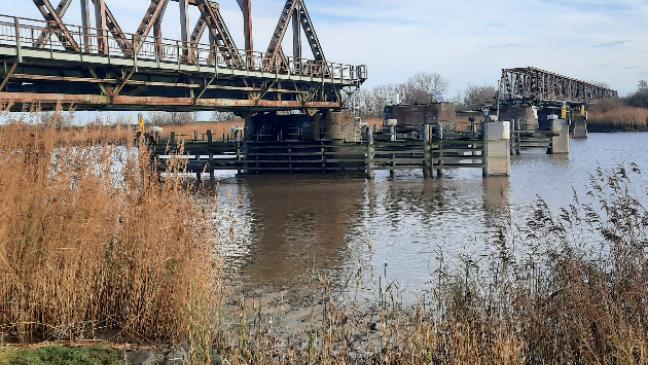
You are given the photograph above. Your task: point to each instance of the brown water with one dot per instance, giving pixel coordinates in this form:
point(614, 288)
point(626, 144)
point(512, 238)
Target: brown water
point(279, 232)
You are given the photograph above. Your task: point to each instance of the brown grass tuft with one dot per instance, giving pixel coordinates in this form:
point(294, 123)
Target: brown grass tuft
point(92, 243)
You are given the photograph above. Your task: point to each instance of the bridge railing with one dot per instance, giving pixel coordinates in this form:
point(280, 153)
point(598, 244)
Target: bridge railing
point(36, 34)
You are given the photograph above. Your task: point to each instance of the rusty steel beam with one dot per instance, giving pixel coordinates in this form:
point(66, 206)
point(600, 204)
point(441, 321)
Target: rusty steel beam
point(297, 35)
point(274, 57)
point(220, 34)
point(152, 19)
point(246, 8)
point(85, 24)
point(101, 24)
point(118, 34)
point(311, 35)
point(184, 30)
point(152, 102)
point(55, 24)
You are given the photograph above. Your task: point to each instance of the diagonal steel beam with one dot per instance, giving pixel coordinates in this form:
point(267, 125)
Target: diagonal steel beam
point(10, 73)
point(61, 9)
point(274, 57)
point(107, 21)
point(219, 32)
point(56, 25)
point(153, 16)
point(313, 40)
point(309, 31)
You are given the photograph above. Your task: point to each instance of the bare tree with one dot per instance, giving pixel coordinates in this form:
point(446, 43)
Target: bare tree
point(643, 86)
point(425, 88)
point(217, 116)
point(176, 118)
point(480, 96)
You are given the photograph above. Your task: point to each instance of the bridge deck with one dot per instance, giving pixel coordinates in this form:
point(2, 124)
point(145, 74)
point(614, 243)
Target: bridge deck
point(157, 74)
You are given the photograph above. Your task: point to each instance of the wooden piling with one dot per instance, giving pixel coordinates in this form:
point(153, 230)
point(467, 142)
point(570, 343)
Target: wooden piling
point(172, 139)
point(323, 155)
point(199, 170)
point(238, 156)
point(212, 175)
point(370, 154)
point(210, 137)
point(195, 136)
point(289, 160)
point(440, 164)
point(427, 153)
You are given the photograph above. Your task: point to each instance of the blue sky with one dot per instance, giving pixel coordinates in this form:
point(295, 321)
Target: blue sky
point(466, 41)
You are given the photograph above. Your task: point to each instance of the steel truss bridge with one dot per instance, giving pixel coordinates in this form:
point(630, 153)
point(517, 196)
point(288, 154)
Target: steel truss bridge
point(46, 63)
point(539, 87)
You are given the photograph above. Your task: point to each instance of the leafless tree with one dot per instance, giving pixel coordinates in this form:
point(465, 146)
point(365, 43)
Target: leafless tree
point(422, 88)
point(217, 116)
point(480, 96)
point(176, 118)
point(643, 86)
point(425, 88)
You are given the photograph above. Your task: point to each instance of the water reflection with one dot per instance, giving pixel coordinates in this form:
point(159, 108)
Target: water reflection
point(285, 229)
point(301, 226)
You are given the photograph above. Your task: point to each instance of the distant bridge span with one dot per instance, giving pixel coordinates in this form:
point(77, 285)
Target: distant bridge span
point(45, 63)
point(536, 86)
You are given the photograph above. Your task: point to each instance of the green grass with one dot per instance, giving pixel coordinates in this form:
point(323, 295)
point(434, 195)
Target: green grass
point(58, 355)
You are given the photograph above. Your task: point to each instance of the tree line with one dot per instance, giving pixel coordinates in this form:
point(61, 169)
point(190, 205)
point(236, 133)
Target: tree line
point(422, 88)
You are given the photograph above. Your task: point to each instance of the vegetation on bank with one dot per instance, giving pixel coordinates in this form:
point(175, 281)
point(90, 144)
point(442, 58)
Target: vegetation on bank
point(59, 355)
point(622, 115)
point(94, 249)
point(92, 244)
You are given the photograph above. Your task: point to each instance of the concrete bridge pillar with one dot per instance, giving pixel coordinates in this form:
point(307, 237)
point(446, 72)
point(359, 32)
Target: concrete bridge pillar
point(579, 128)
point(526, 117)
point(339, 126)
point(560, 135)
point(497, 157)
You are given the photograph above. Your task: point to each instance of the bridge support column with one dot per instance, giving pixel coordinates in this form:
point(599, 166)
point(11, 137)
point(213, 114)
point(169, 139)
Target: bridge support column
point(579, 128)
point(497, 157)
point(340, 127)
point(560, 136)
point(526, 116)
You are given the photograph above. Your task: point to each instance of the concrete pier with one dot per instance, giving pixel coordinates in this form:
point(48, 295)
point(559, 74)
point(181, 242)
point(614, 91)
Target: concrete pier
point(560, 136)
point(497, 157)
point(525, 116)
point(579, 128)
point(339, 126)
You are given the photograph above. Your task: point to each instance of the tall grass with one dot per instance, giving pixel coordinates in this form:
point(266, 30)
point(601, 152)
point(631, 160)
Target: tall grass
point(93, 244)
point(613, 116)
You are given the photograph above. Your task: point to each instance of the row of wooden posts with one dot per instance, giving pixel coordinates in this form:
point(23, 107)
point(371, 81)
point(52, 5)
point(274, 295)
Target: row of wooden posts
point(429, 154)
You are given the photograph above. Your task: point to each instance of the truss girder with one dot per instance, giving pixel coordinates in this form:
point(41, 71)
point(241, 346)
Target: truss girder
point(539, 86)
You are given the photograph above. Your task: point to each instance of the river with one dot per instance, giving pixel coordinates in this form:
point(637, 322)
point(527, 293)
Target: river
point(278, 233)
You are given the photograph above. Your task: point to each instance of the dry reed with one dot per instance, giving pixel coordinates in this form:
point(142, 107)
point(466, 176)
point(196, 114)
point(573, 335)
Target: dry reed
point(614, 116)
point(93, 244)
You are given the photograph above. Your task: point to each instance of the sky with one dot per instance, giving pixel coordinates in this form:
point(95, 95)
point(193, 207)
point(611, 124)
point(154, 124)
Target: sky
point(468, 42)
